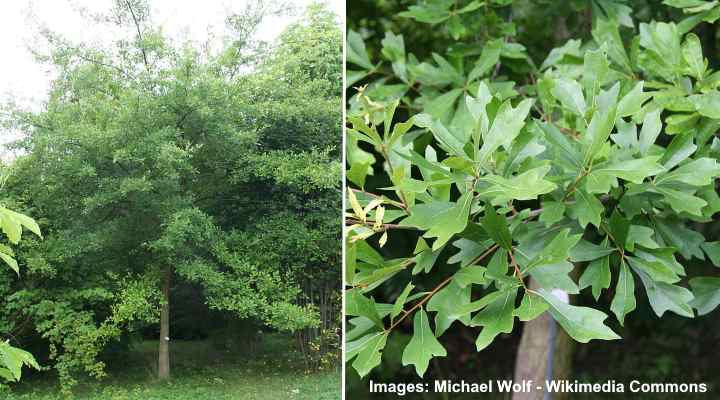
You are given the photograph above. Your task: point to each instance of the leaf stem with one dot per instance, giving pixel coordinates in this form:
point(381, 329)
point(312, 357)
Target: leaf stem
point(435, 290)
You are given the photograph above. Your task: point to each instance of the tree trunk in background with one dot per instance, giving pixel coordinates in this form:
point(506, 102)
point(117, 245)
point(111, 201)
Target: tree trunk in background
point(163, 349)
point(532, 356)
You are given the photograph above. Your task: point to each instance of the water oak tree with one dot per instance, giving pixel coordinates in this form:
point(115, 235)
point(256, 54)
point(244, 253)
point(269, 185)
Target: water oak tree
point(158, 162)
point(593, 170)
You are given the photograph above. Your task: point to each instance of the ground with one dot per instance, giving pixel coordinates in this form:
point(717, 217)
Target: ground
point(199, 372)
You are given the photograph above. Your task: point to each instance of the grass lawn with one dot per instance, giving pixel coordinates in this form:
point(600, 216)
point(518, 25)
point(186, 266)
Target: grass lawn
point(199, 372)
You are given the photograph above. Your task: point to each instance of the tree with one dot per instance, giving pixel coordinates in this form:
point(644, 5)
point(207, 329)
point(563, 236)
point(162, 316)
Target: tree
point(481, 181)
point(157, 163)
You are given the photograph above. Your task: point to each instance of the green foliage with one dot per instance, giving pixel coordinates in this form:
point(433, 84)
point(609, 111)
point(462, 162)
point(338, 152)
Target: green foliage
point(151, 156)
point(12, 359)
point(601, 163)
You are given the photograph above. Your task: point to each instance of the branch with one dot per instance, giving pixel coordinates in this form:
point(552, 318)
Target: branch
point(435, 290)
point(140, 38)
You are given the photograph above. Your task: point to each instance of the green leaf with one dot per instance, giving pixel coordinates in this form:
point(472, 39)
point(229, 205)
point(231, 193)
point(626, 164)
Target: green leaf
point(355, 50)
point(712, 249)
point(650, 130)
point(496, 227)
point(556, 251)
point(602, 123)
point(505, 127)
point(469, 251)
point(488, 58)
point(425, 215)
point(677, 235)
point(498, 266)
point(526, 186)
point(11, 262)
point(10, 226)
point(581, 323)
point(423, 346)
point(707, 294)
point(595, 70)
point(358, 305)
point(708, 104)
point(693, 56)
point(700, 172)
point(597, 275)
point(586, 251)
point(13, 360)
point(452, 221)
point(466, 309)
point(587, 209)
point(601, 180)
point(624, 301)
point(667, 297)
point(425, 260)
point(472, 274)
point(619, 228)
point(555, 276)
point(531, 307)
point(553, 212)
point(25, 221)
point(641, 235)
point(447, 140)
point(445, 302)
point(570, 95)
point(368, 350)
point(632, 102)
point(562, 145)
point(682, 201)
point(400, 301)
point(496, 318)
point(656, 270)
point(606, 31)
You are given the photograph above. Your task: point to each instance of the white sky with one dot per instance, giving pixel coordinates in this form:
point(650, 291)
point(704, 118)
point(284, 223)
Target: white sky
point(28, 81)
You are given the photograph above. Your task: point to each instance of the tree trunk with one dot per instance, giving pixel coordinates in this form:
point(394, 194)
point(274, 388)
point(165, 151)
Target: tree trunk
point(163, 349)
point(531, 363)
